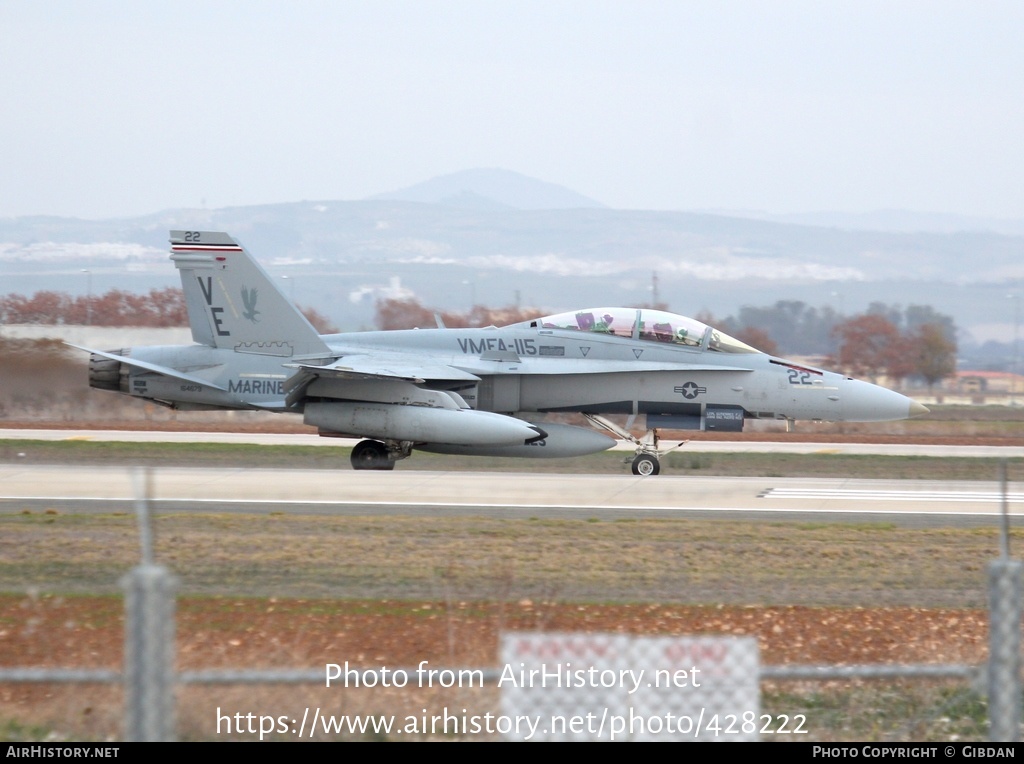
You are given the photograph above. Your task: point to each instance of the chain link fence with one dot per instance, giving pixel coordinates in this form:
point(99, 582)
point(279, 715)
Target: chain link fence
point(569, 687)
point(552, 686)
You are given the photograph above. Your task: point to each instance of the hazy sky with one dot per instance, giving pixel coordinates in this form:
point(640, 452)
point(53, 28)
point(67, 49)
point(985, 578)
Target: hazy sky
point(117, 108)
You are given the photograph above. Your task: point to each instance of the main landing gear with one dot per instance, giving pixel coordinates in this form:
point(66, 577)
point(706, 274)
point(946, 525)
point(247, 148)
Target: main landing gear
point(646, 459)
point(371, 455)
point(374, 455)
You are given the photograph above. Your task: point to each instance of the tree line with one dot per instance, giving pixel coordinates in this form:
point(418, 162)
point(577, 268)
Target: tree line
point(410, 314)
point(157, 308)
point(160, 307)
point(886, 340)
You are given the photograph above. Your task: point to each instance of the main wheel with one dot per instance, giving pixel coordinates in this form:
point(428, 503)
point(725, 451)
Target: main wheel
point(371, 455)
point(646, 464)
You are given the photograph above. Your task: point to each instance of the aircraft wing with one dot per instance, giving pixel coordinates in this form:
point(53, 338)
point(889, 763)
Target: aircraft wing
point(156, 368)
point(394, 373)
point(384, 367)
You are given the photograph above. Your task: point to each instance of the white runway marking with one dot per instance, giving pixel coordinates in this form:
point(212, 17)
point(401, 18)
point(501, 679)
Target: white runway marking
point(884, 495)
point(518, 507)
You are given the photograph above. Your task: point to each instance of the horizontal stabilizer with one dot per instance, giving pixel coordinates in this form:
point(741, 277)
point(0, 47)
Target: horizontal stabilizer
point(156, 369)
point(271, 405)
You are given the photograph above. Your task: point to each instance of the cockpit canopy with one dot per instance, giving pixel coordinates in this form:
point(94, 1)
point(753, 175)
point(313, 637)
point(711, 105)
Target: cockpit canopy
point(645, 324)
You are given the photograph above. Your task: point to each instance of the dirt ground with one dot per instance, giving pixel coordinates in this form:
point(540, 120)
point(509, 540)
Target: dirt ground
point(87, 632)
point(224, 633)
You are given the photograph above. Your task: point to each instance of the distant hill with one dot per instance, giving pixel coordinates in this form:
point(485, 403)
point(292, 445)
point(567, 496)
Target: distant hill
point(902, 221)
point(492, 190)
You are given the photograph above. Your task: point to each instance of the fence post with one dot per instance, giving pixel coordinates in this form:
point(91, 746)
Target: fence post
point(1004, 608)
point(149, 676)
point(149, 653)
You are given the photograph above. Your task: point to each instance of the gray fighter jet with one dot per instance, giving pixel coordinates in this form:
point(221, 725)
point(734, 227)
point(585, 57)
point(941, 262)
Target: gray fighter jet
point(469, 391)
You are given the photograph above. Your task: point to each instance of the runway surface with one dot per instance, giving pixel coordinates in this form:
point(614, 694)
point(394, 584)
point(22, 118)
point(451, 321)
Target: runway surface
point(700, 446)
point(115, 489)
point(344, 491)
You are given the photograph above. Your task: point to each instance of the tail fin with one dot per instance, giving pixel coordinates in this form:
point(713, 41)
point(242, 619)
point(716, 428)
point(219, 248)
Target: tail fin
point(233, 303)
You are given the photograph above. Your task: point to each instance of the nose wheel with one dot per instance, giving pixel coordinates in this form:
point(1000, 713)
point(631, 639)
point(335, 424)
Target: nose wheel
point(646, 464)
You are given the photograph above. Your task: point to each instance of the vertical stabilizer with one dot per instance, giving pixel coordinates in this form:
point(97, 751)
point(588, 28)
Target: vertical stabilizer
point(232, 302)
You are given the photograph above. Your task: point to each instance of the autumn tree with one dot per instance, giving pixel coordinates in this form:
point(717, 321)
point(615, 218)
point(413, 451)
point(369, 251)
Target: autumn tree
point(758, 338)
point(510, 314)
point(319, 321)
point(934, 353)
point(44, 307)
point(403, 314)
point(870, 345)
point(410, 314)
point(161, 307)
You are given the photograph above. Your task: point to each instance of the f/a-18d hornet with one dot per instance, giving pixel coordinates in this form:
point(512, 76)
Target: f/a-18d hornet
point(469, 391)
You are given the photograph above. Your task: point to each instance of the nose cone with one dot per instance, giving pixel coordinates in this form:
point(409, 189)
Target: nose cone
point(865, 402)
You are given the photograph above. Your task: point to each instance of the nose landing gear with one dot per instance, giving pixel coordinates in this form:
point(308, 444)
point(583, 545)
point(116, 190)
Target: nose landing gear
point(646, 460)
point(646, 464)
